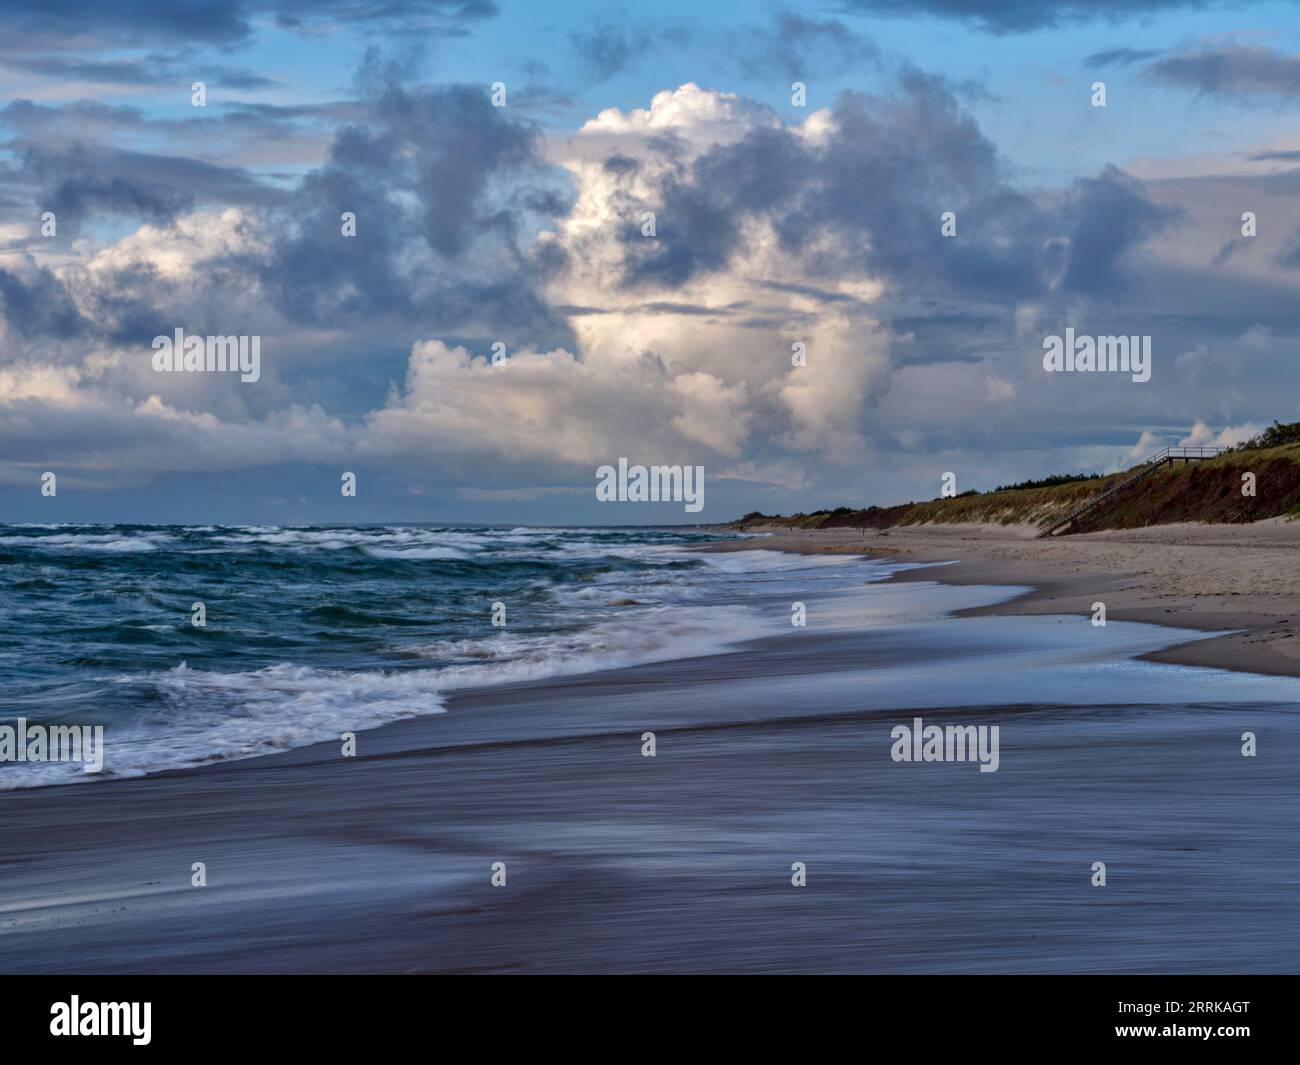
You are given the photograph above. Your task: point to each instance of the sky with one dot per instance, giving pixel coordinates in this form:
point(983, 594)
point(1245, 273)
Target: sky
point(697, 234)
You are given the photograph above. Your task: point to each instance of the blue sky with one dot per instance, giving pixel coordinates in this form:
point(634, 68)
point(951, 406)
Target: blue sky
point(1024, 86)
point(522, 225)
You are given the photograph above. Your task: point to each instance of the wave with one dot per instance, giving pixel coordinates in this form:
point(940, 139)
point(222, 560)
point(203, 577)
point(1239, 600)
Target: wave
point(199, 717)
point(312, 631)
point(90, 542)
point(658, 634)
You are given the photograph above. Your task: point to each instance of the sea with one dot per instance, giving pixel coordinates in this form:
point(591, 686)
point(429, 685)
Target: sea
point(309, 632)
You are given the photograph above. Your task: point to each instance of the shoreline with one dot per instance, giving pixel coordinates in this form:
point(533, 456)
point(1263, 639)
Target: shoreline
point(1239, 580)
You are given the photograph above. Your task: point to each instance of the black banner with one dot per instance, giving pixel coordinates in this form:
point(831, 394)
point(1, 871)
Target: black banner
point(1226, 1015)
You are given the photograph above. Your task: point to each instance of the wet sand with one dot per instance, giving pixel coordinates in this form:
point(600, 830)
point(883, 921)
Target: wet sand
point(1213, 578)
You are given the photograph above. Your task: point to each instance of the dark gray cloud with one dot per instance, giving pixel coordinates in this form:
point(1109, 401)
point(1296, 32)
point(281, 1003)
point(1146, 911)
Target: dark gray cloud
point(209, 136)
point(446, 189)
point(613, 46)
point(789, 45)
point(822, 295)
point(1023, 16)
point(871, 198)
point(32, 118)
point(440, 182)
point(669, 307)
point(72, 23)
point(1113, 214)
point(797, 46)
point(82, 116)
point(82, 180)
point(1290, 254)
point(448, 17)
point(541, 92)
point(443, 184)
point(1235, 70)
point(1121, 56)
point(148, 70)
point(604, 50)
point(1275, 157)
point(1230, 248)
point(37, 305)
point(57, 25)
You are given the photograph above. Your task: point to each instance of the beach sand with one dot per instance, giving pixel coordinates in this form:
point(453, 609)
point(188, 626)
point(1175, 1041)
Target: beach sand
point(1243, 580)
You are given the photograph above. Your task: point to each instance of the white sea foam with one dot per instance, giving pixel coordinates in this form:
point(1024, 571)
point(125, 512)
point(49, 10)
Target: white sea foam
point(657, 634)
point(760, 560)
point(593, 612)
point(388, 542)
point(114, 542)
point(209, 716)
point(415, 554)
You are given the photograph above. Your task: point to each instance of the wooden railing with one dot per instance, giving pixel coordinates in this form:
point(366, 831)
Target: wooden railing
point(1160, 458)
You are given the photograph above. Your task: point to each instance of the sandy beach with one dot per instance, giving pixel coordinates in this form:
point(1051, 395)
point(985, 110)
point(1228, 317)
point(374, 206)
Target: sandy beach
point(1243, 580)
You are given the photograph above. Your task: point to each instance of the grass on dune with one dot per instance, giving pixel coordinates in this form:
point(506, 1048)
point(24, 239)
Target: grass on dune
point(1208, 490)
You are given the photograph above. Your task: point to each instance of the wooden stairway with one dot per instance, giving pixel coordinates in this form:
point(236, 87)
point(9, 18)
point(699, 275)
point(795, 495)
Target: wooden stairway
point(1164, 457)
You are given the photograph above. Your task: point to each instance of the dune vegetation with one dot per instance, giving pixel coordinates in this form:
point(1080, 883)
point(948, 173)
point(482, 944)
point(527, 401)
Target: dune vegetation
point(1208, 490)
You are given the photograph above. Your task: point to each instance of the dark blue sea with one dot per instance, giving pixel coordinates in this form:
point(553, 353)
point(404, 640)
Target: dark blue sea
point(310, 632)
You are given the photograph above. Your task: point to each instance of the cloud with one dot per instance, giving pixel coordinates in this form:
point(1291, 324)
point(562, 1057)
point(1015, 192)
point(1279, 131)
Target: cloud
point(605, 50)
point(439, 241)
point(82, 181)
point(1229, 436)
point(1025, 16)
point(1148, 444)
point(441, 183)
point(1289, 254)
point(1113, 215)
point(35, 305)
point(127, 23)
point(529, 493)
point(1275, 157)
point(1121, 56)
point(542, 406)
point(711, 412)
point(999, 389)
point(1230, 71)
point(862, 187)
point(258, 135)
point(473, 226)
point(797, 46)
point(787, 43)
point(1214, 362)
point(148, 70)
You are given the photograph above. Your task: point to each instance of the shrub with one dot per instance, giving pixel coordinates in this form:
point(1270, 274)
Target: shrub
point(1050, 482)
point(1275, 435)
